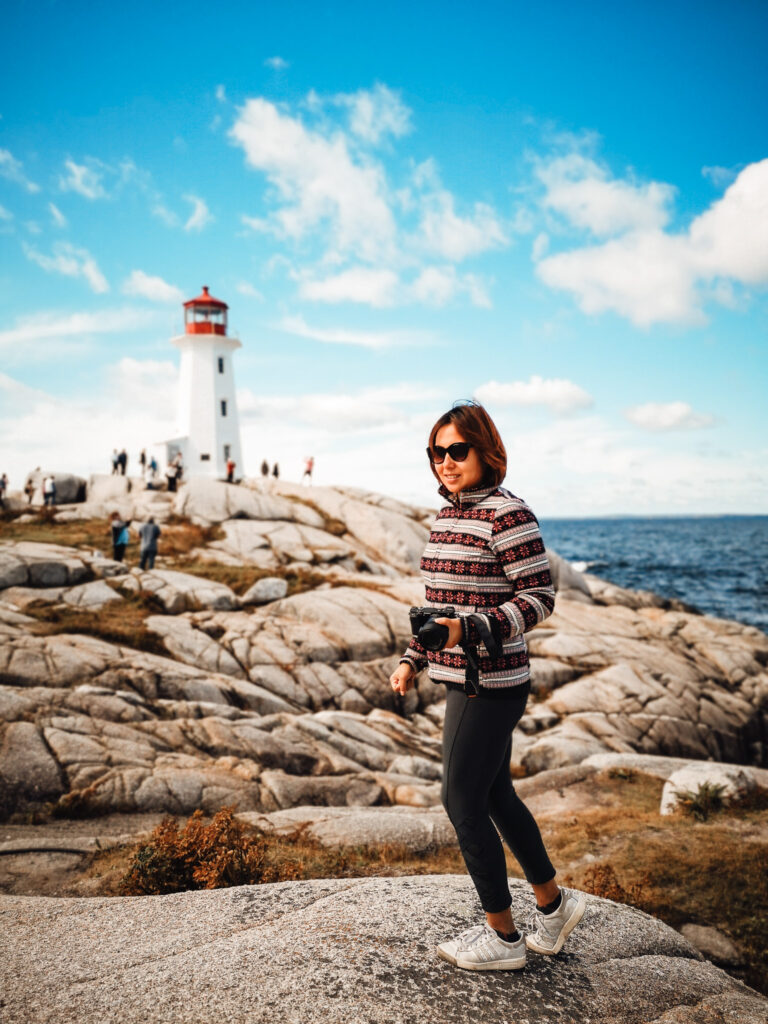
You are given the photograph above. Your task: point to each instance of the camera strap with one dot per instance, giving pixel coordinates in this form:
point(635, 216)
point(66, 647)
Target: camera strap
point(490, 634)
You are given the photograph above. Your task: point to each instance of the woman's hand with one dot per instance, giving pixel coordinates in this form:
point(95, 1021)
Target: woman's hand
point(402, 678)
point(455, 632)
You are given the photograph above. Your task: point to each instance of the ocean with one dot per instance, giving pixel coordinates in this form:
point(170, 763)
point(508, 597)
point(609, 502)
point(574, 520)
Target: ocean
point(719, 564)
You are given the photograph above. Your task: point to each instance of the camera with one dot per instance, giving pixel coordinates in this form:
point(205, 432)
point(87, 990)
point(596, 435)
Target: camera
point(431, 634)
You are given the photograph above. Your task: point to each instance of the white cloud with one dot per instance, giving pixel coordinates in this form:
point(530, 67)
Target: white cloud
point(373, 287)
point(540, 246)
point(134, 407)
point(221, 94)
point(72, 262)
point(200, 215)
point(13, 170)
point(650, 276)
point(247, 289)
point(86, 181)
point(5, 214)
point(443, 232)
point(721, 177)
point(167, 216)
point(343, 336)
point(436, 286)
point(153, 288)
point(58, 217)
point(276, 63)
point(318, 182)
point(658, 416)
point(336, 413)
point(375, 113)
point(560, 396)
point(56, 325)
point(582, 191)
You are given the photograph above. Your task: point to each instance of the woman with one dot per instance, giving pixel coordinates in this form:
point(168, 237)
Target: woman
point(120, 536)
point(485, 557)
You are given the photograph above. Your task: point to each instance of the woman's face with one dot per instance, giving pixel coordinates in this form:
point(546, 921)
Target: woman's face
point(457, 476)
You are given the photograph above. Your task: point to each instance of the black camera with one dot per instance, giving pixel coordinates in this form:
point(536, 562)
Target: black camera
point(431, 634)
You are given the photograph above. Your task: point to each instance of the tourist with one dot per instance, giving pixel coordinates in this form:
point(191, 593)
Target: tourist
point(178, 462)
point(115, 462)
point(275, 471)
point(143, 462)
point(3, 489)
point(49, 491)
point(29, 489)
point(123, 461)
point(264, 468)
point(230, 470)
point(485, 554)
point(172, 475)
point(120, 535)
point(152, 482)
point(309, 465)
point(148, 534)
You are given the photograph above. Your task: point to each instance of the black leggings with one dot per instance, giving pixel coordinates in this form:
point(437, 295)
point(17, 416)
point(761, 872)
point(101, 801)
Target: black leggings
point(478, 794)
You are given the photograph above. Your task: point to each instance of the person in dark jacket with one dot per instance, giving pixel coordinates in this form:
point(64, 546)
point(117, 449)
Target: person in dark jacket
point(120, 535)
point(148, 536)
point(485, 559)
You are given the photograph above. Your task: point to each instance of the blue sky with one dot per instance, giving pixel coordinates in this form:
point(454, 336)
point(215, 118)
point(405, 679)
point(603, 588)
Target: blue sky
point(562, 211)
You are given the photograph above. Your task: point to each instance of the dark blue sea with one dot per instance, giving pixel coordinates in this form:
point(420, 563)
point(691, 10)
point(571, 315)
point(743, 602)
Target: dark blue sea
point(719, 564)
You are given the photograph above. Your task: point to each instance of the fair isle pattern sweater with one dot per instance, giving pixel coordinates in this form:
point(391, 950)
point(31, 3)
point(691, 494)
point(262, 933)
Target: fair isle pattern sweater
point(485, 555)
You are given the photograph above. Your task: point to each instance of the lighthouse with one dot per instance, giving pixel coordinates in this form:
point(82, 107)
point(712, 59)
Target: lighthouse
point(208, 428)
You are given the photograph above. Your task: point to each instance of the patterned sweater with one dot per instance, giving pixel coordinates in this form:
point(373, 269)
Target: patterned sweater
point(485, 555)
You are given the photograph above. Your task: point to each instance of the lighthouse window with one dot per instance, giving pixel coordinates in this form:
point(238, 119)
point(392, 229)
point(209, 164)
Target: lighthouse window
point(223, 407)
point(221, 364)
point(227, 451)
point(205, 457)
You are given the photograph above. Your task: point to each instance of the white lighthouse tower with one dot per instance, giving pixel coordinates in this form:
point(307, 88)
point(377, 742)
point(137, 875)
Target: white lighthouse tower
point(208, 428)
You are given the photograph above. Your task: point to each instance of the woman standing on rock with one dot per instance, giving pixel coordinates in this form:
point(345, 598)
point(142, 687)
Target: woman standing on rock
point(485, 557)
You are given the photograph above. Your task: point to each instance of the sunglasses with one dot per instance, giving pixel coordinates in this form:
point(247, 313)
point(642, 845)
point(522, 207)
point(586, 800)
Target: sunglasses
point(458, 451)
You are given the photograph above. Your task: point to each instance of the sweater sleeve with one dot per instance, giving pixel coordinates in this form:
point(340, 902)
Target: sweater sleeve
point(517, 543)
point(415, 656)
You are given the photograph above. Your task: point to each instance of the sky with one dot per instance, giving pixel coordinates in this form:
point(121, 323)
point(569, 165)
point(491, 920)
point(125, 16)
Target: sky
point(560, 210)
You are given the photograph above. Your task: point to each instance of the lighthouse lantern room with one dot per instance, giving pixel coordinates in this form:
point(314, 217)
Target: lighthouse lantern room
point(208, 428)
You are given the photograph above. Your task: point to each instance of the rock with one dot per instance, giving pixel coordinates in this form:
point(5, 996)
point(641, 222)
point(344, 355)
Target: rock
point(735, 782)
point(568, 581)
point(104, 487)
point(299, 951)
point(419, 829)
point(28, 563)
point(713, 944)
point(211, 501)
point(28, 772)
point(331, 790)
point(90, 596)
point(268, 588)
point(179, 591)
point(69, 488)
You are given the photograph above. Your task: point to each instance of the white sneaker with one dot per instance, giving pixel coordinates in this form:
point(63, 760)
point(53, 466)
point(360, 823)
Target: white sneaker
point(551, 930)
point(480, 949)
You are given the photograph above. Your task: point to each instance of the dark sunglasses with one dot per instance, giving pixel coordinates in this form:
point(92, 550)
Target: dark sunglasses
point(458, 451)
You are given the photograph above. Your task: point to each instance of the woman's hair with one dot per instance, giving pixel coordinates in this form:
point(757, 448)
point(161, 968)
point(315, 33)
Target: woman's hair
point(478, 429)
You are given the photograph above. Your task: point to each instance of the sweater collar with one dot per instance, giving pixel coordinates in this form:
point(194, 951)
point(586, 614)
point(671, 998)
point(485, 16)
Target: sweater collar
point(467, 498)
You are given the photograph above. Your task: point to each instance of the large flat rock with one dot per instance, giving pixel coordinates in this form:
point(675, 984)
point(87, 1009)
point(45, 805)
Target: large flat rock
point(342, 951)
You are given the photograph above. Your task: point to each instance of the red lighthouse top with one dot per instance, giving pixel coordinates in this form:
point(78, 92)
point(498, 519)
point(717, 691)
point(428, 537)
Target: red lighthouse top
point(205, 315)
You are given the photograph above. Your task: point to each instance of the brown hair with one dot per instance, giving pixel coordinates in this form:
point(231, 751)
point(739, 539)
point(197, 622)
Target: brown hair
point(478, 429)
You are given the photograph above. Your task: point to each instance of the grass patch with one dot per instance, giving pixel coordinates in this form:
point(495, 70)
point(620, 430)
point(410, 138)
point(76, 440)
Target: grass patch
point(120, 622)
point(93, 534)
point(332, 525)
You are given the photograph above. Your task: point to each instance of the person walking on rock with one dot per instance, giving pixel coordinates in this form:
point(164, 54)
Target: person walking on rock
point(264, 467)
point(120, 535)
point(3, 489)
point(148, 535)
point(309, 465)
point(123, 461)
point(485, 562)
point(115, 462)
point(275, 471)
point(143, 462)
point(231, 470)
point(171, 475)
point(49, 491)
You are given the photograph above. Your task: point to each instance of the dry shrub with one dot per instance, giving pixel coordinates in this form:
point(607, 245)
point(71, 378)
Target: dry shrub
point(199, 856)
point(119, 622)
point(180, 536)
point(705, 800)
point(601, 880)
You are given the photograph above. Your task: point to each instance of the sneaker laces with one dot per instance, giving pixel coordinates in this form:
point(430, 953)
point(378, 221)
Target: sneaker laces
point(471, 935)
